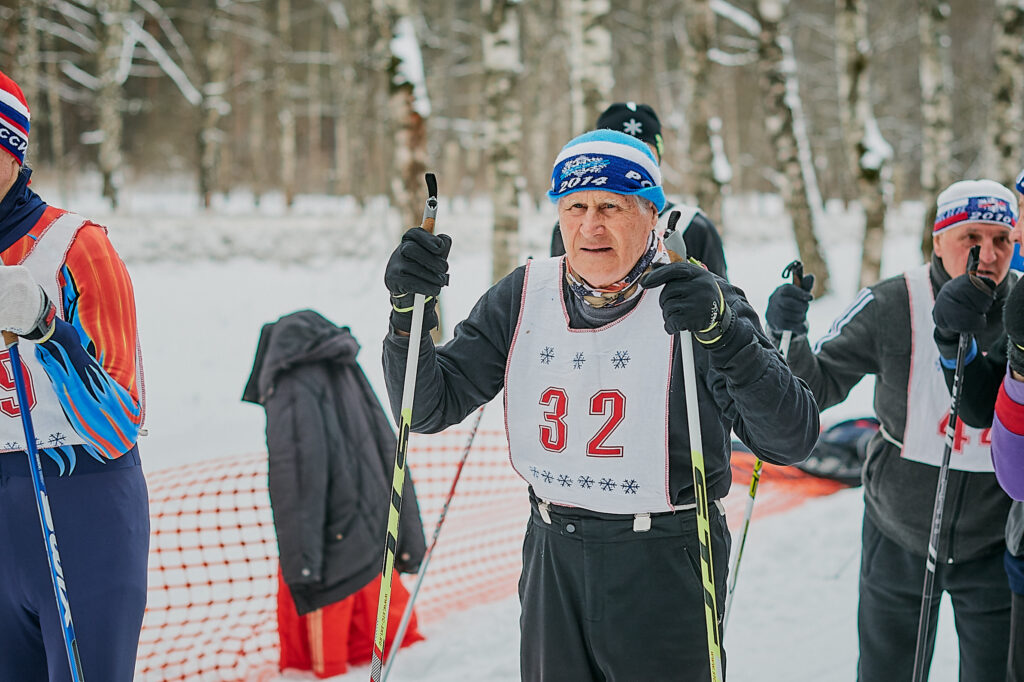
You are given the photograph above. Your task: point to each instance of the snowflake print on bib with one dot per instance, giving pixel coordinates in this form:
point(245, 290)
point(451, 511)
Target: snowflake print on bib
point(587, 423)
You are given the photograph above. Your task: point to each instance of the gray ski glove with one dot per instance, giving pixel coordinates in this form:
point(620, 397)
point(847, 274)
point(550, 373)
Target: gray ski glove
point(25, 309)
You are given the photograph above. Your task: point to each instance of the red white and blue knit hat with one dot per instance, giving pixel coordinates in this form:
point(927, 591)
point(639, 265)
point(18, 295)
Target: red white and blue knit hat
point(975, 201)
point(609, 161)
point(14, 117)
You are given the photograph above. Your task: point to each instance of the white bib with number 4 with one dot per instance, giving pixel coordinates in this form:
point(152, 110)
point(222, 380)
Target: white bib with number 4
point(586, 410)
point(924, 438)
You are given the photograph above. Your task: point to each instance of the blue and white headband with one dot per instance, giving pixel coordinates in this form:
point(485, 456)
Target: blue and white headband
point(609, 161)
point(975, 201)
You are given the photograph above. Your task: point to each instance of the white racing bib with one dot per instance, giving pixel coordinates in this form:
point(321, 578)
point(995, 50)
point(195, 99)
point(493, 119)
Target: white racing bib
point(51, 427)
point(586, 410)
point(924, 438)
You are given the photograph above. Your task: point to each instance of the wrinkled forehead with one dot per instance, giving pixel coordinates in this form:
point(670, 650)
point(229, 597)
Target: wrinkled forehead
point(980, 229)
point(593, 196)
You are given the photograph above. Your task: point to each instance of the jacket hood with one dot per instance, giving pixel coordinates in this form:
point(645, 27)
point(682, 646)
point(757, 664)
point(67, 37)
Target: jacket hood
point(298, 338)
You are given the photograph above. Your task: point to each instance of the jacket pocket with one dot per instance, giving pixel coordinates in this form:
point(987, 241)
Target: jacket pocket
point(348, 549)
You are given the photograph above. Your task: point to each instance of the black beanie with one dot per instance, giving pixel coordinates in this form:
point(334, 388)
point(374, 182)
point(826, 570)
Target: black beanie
point(638, 120)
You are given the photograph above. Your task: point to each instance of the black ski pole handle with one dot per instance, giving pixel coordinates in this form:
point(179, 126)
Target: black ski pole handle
point(796, 269)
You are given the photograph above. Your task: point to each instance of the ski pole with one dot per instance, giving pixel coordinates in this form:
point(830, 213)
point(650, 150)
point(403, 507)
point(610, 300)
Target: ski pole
point(398, 478)
point(677, 247)
point(403, 625)
point(796, 268)
point(45, 517)
point(924, 620)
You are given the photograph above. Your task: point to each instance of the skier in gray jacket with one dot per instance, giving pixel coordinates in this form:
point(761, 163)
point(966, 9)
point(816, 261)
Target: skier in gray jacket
point(586, 349)
point(888, 331)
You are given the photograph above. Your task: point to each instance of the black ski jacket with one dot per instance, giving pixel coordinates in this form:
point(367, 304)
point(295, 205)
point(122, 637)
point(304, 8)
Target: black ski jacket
point(743, 384)
point(873, 336)
point(332, 455)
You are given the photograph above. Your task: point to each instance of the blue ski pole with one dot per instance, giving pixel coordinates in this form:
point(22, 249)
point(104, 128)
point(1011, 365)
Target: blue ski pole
point(45, 517)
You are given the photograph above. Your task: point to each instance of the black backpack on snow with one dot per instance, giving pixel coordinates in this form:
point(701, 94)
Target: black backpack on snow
point(841, 450)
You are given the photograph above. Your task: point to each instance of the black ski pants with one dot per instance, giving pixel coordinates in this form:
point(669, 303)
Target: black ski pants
point(604, 603)
point(891, 581)
point(1015, 665)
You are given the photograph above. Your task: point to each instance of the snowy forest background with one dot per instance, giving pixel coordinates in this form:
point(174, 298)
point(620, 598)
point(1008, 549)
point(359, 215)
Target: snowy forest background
point(815, 100)
point(253, 157)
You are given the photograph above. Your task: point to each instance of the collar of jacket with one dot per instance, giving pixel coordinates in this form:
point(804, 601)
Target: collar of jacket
point(19, 210)
point(298, 338)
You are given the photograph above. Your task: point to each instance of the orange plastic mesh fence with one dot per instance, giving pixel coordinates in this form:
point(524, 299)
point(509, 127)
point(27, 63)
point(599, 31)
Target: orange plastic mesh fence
point(213, 557)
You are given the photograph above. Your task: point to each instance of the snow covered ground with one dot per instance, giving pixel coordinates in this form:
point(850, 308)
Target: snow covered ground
point(206, 282)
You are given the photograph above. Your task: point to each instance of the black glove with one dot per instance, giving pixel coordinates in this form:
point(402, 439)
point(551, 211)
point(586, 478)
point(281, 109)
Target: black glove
point(960, 308)
point(787, 306)
point(962, 303)
point(691, 300)
point(418, 266)
point(1013, 321)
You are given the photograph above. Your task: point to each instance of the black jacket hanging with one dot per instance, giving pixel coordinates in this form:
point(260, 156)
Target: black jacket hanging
point(332, 454)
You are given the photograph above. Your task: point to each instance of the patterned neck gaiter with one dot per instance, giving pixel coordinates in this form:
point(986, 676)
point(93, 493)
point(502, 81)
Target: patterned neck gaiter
point(626, 288)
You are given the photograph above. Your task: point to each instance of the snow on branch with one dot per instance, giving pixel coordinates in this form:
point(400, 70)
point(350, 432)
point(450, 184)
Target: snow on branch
point(720, 167)
point(731, 58)
point(410, 69)
point(79, 76)
point(336, 10)
point(87, 43)
point(876, 150)
point(167, 64)
point(72, 13)
point(741, 18)
point(167, 26)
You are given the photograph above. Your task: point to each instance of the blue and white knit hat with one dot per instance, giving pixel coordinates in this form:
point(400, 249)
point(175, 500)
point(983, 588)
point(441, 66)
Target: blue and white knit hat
point(1020, 182)
point(609, 161)
point(975, 201)
point(14, 119)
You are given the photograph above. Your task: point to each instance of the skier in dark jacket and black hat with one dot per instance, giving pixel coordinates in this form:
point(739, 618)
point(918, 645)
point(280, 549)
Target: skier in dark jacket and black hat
point(332, 454)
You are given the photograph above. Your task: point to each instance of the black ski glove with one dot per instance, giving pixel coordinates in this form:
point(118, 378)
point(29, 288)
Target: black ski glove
point(960, 308)
point(691, 300)
point(418, 266)
point(1013, 321)
point(962, 303)
point(787, 307)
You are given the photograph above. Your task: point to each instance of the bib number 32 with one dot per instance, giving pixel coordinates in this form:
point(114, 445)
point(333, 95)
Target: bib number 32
point(609, 403)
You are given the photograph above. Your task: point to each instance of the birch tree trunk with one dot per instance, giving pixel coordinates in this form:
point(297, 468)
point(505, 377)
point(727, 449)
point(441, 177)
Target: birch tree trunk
point(28, 51)
point(213, 104)
point(700, 30)
point(785, 126)
point(341, 77)
point(936, 77)
point(315, 96)
point(1005, 115)
point(867, 152)
point(365, 57)
point(408, 109)
point(112, 73)
point(284, 107)
point(55, 117)
point(502, 65)
point(589, 58)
